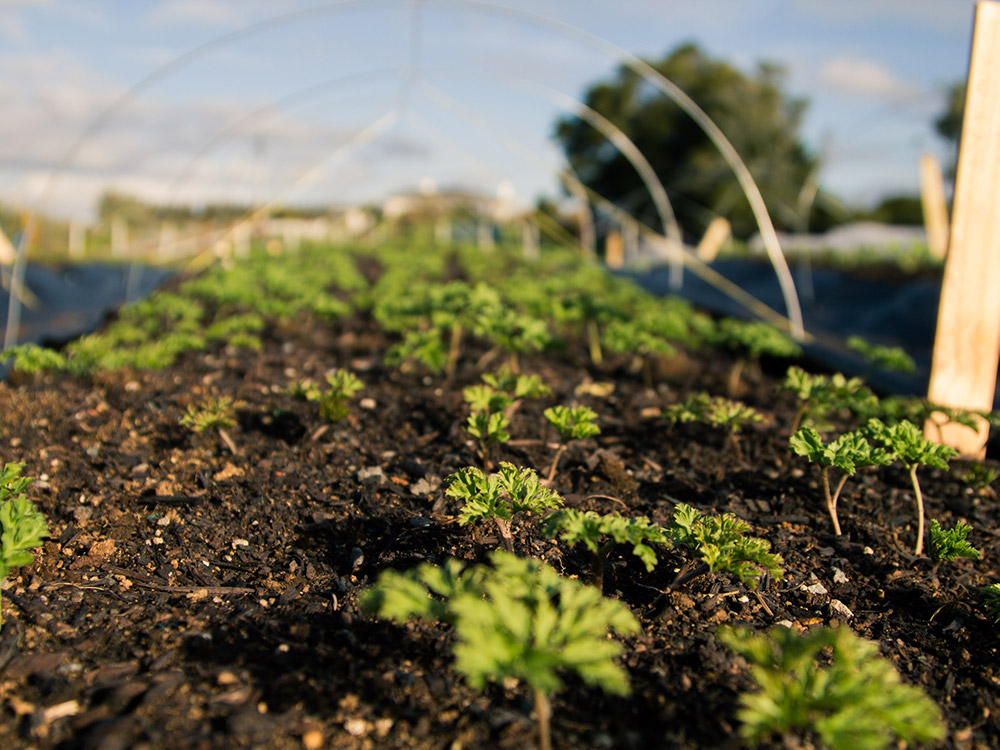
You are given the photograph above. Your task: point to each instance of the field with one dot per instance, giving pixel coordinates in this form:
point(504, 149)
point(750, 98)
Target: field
point(193, 595)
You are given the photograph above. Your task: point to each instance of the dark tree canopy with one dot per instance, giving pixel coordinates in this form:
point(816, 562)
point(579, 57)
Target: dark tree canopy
point(949, 122)
point(761, 122)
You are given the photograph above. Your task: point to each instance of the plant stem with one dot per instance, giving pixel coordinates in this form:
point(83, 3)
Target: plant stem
point(505, 535)
point(919, 549)
point(555, 462)
point(734, 377)
point(453, 350)
point(544, 710)
point(831, 502)
point(596, 355)
point(228, 441)
point(597, 571)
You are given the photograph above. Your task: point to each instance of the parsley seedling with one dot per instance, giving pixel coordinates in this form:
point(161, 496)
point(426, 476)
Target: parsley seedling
point(499, 496)
point(855, 702)
point(947, 544)
point(22, 526)
point(722, 544)
point(848, 453)
point(718, 411)
point(517, 619)
point(881, 357)
point(213, 414)
point(572, 423)
point(601, 533)
point(906, 443)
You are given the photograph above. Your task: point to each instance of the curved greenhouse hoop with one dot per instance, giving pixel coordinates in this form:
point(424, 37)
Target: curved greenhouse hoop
point(640, 67)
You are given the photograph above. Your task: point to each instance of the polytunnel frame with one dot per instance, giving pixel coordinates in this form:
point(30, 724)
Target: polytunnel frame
point(574, 185)
point(640, 67)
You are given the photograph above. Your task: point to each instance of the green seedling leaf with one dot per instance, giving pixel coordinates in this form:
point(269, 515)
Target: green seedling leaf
point(212, 414)
point(343, 384)
point(854, 701)
point(722, 544)
point(947, 544)
point(849, 452)
point(601, 532)
point(980, 477)
point(883, 357)
point(498, 496)
point(485, 398)
point(573, 423)
point(907, 443)
point(991, 601)
point(516, 619)
point(22, 526)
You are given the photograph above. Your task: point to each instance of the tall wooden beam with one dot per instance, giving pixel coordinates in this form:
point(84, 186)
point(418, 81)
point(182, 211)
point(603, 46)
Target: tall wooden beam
point(967, 341)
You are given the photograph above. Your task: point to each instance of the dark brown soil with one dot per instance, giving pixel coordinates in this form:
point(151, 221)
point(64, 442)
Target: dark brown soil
point(191, 598)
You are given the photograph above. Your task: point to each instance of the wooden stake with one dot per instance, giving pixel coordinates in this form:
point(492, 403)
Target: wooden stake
point(934, 205)
point(614, 250)
point(967, 342)
point(716, 234)
point(7, 251)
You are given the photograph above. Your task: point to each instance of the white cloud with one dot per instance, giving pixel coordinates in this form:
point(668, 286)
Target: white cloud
point(931, 13)
point(866, 78)
point(213, 13)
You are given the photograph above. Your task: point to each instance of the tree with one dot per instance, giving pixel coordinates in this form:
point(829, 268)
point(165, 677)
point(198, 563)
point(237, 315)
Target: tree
point(761, 122)
point(949, 123)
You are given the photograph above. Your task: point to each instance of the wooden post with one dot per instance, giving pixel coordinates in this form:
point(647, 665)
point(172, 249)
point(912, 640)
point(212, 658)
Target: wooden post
point(7, 251)
point(934, 205)
point(614, 250)
point(967, 342)
point(716, 234)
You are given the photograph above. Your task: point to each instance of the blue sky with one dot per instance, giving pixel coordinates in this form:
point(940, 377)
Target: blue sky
point(356, 99)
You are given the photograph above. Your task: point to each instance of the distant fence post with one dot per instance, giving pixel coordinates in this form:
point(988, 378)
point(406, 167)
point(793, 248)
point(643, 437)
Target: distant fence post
point(7, 251)
point(614, 251)
point(716, 235)
point(967, 341)
point(934, 205)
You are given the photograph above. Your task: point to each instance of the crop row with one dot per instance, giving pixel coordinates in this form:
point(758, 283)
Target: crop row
point(517, 617)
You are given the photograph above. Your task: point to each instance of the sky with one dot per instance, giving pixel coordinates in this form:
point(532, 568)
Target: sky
point(312, 103)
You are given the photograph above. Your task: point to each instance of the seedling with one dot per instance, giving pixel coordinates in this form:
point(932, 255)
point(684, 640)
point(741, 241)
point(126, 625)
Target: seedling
point(754, 339)
point(631, 337)
point(823, 395)
point(718, 411)
point(905, 442)
point(31, 359)
point(572, 423)
point(303, 390)
point(601, 533)
point(883, 357)
point(849, 452)
point(991, 601)
point(22, 526)
point(488, 422)
point(856, 702)
point(512, 332)
point(517, 386)
point(213, 414)
point(722, 544)
point(499, 496)
point(980, 477)
point(517, 619)
point(333, 402)
point(947, 544)
point(425, 347)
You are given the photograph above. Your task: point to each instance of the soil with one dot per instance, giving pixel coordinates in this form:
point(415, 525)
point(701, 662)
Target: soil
point(193, 598)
